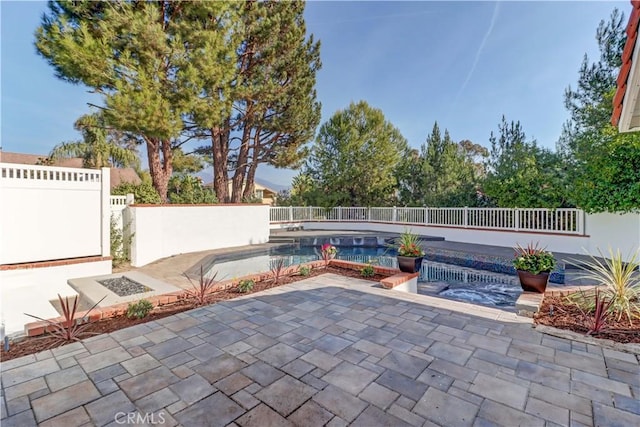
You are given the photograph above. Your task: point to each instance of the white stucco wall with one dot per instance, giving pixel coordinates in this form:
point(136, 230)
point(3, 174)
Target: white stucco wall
point(162, 231)
point(29, 290)
point(410, 286)
point(613, 230)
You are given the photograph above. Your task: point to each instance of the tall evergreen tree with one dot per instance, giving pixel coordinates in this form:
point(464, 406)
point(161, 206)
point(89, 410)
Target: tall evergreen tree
point(275, 111)
point(149, 61)
point(410, 176)
point(521, 174)
point(604, 164)
point(443, 173)
point(354, 158)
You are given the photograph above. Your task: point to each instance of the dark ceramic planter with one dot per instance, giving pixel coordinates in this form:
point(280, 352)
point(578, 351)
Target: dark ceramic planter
point(533, 282)
point(408, 264)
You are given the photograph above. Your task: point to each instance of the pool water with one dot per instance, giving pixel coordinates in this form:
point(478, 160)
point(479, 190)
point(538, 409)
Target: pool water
point(445, 280)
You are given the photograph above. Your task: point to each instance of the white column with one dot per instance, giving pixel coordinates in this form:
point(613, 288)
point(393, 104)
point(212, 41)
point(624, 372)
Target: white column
point(105, 197)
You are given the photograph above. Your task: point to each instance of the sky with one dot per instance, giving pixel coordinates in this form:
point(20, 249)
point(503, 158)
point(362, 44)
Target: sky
point(462, 64)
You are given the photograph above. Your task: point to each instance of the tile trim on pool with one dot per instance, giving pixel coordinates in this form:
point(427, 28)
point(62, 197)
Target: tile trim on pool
point(495, 264)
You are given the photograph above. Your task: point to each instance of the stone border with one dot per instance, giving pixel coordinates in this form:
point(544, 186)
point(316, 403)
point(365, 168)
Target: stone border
point(531, 299)
point(587, 339)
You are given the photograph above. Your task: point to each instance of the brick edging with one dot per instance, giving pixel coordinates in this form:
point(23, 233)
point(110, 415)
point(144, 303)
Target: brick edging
point(397, 280)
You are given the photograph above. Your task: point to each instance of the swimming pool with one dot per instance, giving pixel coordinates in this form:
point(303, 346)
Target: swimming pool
point(436, 278)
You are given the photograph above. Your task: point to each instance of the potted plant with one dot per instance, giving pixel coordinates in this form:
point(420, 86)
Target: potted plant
point(410, 253)
point(328, 252)
point(534, 264)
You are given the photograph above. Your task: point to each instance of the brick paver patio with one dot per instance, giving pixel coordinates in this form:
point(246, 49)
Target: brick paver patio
point(326, 351)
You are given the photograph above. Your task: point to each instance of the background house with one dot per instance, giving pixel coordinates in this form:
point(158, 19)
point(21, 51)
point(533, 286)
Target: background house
point(261, 191)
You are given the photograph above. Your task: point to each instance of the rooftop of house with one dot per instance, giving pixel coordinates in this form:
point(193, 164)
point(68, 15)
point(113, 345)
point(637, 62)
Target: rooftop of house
point(117, 176)
point(626, 102)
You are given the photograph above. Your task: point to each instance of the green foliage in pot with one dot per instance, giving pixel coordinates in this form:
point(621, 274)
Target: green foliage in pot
point(408, 244)
point(533, 259)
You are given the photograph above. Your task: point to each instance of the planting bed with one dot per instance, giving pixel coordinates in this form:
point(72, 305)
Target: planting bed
point(566, 315)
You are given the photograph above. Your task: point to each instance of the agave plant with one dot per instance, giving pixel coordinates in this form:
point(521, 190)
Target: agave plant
point(71, 329)
point(278, 270)
point(620, 279)
point(597, 321)
point(202, 289)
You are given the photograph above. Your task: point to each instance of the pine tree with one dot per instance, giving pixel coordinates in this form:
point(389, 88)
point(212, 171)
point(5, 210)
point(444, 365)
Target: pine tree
point(442, 174)
point(275, 111)
point(354, 158)
point(150, 62)
point(522, 174)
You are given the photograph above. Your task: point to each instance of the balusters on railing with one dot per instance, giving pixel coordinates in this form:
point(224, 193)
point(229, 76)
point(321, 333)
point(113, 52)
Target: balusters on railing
point(566, 221)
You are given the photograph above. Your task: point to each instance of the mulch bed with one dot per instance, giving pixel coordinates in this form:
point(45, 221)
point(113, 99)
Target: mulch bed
point(32, 345)
point(566, 315)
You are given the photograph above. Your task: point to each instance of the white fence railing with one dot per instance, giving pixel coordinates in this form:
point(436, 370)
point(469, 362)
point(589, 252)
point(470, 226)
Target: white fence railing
point(118, 204)
point(563, 221)
point(118, 201)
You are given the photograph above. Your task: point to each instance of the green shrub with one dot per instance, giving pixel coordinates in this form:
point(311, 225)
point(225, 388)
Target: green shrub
point(143, 193)
point(533, 259)
point(188, 190)
point(139, 309)
point(120, 243)
point(304, 270)
point(367, 271)
point(246, 285)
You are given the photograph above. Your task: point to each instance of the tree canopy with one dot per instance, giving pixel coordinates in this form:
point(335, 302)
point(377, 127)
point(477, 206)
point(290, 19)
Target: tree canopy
point(147, 60)
point(604, 165)
point(241, 74)
point(100, 146)
point(443, 173)
point(522, 174)
point(354, 158)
